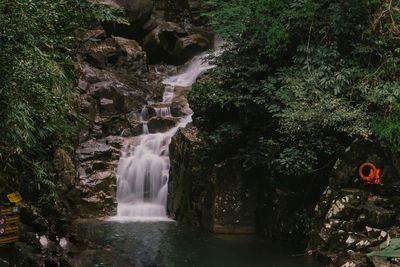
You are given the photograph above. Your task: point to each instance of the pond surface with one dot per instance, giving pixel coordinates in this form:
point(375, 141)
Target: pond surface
point(167, 244)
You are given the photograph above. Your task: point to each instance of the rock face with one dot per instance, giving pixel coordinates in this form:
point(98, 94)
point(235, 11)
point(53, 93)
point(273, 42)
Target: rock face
point(115, 85)
point(353, 218)
point(218, 200)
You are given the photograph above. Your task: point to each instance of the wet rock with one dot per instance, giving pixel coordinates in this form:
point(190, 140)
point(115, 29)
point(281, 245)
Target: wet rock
point(101, 181)
point(125, 99)
point(131, 56)
point(98, 204)
point(117, 53)
point(115, 141)
point(120, 125)
point(170, 43)
point(159, 44)
point(180, 105)
point(187, 47)
point(98, 165)
point(186, 181)
point(93, 149)
point(161, 124)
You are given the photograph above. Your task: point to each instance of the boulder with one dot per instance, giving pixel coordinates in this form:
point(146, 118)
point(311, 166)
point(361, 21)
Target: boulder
point(124, 98)
point(179, 105)
point(100, 54)
point(170, 43)
point(94, 150)
point(159, 44)
point(131, 56)
point(187, 180)
point(137, 12)
point(120, 125)
point(116, 52)
point(189, 46)
point(159, 124)
point(90, 74)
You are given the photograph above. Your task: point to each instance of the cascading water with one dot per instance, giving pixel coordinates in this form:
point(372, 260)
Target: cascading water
point(143, 171)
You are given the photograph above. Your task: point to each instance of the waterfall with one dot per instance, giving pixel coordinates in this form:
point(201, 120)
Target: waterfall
point(143, 170)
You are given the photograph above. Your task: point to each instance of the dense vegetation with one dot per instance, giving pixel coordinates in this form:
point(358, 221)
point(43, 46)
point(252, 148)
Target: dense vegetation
point(37, 114)
point(300, 81)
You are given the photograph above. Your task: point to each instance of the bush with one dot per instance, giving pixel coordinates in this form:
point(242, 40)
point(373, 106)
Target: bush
point(300, 81)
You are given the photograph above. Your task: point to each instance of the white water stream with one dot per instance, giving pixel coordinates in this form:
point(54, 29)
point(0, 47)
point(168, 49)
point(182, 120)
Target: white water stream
point(143, 170)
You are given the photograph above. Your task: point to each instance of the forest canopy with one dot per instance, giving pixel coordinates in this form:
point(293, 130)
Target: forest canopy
point(300, 81)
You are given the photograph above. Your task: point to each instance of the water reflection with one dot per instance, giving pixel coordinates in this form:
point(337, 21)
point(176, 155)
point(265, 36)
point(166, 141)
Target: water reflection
point(170, 244)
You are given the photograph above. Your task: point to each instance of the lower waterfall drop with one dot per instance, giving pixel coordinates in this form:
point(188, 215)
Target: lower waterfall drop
point(143, 170)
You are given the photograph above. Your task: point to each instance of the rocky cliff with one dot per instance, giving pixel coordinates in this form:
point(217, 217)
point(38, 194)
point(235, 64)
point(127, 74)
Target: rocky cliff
point(353, 218)
point(202, 193)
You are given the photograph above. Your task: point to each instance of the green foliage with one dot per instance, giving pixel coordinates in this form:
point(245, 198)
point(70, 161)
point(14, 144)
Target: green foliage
point(238, 21)
point(387, 129)
point(37, 40)
point(300, 81)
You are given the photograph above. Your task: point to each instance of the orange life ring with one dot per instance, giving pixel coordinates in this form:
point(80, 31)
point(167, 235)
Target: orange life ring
point(374, 174)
